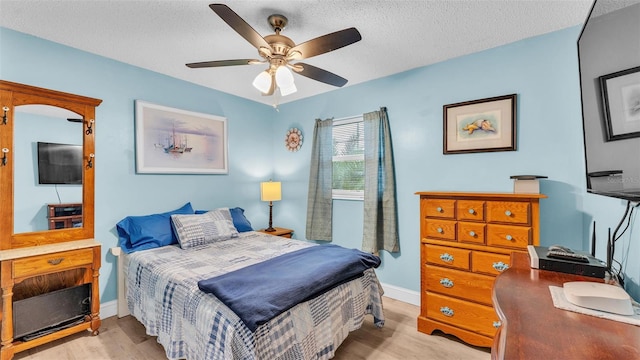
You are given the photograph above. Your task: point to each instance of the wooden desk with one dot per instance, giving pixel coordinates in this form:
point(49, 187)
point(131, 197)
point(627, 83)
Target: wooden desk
point(532, 328)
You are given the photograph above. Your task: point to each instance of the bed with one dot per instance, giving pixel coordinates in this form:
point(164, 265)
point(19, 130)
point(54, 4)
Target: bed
point(160, 286)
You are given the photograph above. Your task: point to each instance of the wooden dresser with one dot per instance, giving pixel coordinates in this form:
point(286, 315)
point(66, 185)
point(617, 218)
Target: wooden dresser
point(59, 265)
point(465, 241)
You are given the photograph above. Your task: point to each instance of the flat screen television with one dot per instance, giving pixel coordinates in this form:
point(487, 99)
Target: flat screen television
point(59, 163)
point(609, 59)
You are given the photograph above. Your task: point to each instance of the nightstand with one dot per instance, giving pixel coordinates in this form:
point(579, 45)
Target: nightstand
point(279, 232)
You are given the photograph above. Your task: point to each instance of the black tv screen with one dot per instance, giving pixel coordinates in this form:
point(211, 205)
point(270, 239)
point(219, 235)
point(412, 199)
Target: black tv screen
point(59, 163)
point(609, 58)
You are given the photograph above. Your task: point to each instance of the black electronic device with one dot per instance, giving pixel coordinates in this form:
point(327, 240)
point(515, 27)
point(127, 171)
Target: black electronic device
point(568, 264)
point(611, 132)
point(59, 163)
point(71, 210)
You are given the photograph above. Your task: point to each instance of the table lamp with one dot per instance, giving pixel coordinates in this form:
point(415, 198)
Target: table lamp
point(270, 191)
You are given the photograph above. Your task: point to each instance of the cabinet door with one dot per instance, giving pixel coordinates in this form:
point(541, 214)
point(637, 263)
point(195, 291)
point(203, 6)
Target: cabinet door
point(464, 314)
point(471, 232)
point(516, 237)
point(440, 208)
point(446, 256)
point(472, 210)
point(440, 229)
point(489, 263)
point(460, 284)
point(510, 212)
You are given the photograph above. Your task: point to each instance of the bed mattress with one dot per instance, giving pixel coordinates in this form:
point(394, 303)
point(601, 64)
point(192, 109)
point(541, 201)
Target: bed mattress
point(163, 294)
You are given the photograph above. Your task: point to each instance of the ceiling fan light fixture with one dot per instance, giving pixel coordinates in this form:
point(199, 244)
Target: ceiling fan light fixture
point(284, 77)
point(262, 82)
point(288, 90)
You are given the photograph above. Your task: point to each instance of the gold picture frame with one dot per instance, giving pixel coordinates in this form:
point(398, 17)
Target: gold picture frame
point(483, 125)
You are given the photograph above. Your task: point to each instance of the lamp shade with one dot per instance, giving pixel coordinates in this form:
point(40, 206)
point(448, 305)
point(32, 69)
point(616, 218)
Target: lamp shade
point(270, 191)
point(262, 82)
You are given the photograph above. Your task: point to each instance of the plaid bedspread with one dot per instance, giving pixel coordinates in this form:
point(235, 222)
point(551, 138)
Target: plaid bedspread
point(163, 294)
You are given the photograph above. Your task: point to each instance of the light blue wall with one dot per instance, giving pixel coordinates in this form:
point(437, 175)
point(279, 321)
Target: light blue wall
point(543, 71)
point(119, 191)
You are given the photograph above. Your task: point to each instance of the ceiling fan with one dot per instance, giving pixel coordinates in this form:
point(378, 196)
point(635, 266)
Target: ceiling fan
point(281, 53)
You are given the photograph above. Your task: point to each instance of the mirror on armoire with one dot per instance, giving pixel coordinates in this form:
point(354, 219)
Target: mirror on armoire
point(47, 166)
point(47, 193)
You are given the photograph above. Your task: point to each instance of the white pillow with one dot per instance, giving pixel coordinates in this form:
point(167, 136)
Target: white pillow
point(195, 230)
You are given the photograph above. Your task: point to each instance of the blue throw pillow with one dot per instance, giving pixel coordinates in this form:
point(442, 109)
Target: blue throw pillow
point(148, 231)
point(241, 223)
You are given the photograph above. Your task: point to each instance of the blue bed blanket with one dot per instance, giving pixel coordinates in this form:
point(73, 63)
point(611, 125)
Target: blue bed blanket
point(260, 292)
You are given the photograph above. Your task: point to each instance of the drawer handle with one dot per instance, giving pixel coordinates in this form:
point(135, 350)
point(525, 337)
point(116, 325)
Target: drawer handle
point(55, 261)
point(472, 233)
point(500, 266)
point(439, 230)
point(446, 283)
point(497, 324)
point(509, 237)
point(508, 213)
point(446, 257)
point(471, 211)
point(446, 311)
point(439, 209)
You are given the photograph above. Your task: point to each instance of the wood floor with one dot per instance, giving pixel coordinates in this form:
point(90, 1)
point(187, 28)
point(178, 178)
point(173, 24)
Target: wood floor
point(125, 338)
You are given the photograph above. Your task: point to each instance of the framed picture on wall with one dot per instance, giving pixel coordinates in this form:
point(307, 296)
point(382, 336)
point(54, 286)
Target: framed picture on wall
point(621, 103)
point(480, 125)
point(174, 141)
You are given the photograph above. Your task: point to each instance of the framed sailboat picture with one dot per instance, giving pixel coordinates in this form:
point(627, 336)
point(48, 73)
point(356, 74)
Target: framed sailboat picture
point(174, 141)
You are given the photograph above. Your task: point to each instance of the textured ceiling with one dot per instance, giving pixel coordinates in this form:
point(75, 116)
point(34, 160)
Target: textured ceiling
point(397, 36)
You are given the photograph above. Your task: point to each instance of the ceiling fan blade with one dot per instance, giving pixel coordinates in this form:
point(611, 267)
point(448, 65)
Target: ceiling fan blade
point(321, 75)
point(239, 25)
point(325, 43)
point(218, 63)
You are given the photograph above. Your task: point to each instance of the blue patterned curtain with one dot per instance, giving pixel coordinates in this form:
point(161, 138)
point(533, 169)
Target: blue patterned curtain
point(320, 202)
point(380, 206)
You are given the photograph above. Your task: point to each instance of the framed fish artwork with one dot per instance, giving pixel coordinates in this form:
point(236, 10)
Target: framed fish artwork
point(174, 141)
point(482, 125)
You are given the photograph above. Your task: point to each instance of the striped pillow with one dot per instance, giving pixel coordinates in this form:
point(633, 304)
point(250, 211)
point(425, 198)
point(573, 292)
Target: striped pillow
point(196, 230)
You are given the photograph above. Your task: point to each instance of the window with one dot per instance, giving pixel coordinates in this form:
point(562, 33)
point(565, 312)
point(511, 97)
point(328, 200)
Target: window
point(348, 159)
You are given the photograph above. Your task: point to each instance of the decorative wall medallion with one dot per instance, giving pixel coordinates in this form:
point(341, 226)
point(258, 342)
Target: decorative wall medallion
point(293, 139)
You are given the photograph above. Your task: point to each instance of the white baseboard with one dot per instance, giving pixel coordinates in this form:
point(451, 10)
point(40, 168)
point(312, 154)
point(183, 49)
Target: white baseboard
point(108, 309)
point(401, 294)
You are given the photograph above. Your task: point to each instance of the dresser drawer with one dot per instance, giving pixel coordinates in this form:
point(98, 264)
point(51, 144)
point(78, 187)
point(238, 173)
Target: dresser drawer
point(452, 257)
point(471, 232)
point(489, 263)
point(441, 229)
point(467, 315)
point(440, 208)
point(512, 212)
point(461, 284)
point(517, 237)
point(49, 263)
point(470, 210)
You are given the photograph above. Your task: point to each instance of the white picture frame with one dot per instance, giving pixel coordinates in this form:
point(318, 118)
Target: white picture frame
point(175, 141)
